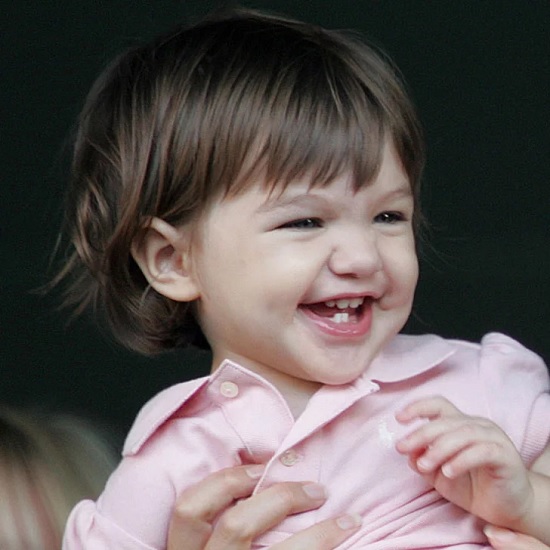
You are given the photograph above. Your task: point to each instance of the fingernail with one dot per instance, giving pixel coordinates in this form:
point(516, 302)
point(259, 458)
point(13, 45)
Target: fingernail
point(424, 464)
point(315, 491)
point(255, 471)
point(349, 521)
point(401, 416)
point(499, 535)
point(402, 445)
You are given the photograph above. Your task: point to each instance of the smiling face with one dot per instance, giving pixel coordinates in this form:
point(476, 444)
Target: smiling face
point(306, 286)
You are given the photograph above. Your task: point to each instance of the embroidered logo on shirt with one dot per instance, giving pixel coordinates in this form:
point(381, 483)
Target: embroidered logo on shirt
point(386, 436)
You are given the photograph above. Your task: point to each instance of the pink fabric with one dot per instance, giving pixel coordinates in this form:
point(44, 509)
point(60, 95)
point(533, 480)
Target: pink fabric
point(345, 439)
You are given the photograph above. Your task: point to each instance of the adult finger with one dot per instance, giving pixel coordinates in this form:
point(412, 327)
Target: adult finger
point(197, 506)
point(239, 525)
point(503, 539)
point(325, 535)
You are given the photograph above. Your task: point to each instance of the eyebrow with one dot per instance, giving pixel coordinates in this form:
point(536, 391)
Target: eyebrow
point(402, 190)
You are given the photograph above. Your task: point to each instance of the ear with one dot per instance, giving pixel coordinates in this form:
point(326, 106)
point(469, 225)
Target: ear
point(162, 252)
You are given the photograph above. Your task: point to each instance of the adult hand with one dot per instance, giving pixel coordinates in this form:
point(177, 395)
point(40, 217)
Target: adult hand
point(238, 524)
point(503, 539)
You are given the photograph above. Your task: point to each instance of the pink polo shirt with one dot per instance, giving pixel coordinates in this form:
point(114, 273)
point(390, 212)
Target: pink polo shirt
point(345, 439)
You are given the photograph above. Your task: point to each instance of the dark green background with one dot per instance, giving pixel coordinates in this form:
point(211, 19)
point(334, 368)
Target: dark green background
point(479, 72)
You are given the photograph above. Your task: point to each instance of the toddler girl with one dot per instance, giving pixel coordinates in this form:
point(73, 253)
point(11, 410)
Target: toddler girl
point(250, 184)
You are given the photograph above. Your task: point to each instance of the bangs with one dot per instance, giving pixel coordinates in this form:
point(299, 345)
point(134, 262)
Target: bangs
point(316, 120)
point(319, 132)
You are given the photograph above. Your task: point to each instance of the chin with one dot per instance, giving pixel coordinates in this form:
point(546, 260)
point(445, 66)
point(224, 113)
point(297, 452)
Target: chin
point(340, 378)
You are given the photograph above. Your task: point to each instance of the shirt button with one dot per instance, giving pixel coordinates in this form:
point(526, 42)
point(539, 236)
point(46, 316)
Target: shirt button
point(229, 389)
point(289, 458)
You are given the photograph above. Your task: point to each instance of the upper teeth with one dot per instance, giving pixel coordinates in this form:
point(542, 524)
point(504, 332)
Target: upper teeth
point(343, 304)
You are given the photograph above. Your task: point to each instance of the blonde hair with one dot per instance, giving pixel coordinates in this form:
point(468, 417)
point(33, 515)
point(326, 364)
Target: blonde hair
point(48, 462)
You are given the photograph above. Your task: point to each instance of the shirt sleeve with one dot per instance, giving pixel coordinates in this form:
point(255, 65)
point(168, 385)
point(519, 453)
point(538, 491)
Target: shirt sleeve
point(134, 510)
point(123, 515)
point(516, 389)
point(88, 529)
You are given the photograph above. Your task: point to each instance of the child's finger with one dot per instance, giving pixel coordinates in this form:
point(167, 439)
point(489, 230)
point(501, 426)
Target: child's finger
point(452, 430)
point(425, 436)
point(435, 445)
point(481, 455)
point(429, 407)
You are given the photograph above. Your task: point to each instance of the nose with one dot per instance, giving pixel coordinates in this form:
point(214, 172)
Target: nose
point(356, 254)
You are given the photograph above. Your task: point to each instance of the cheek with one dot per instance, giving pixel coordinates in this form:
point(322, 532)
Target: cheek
point(402, 269)
point(293, 261)
point(414, 271)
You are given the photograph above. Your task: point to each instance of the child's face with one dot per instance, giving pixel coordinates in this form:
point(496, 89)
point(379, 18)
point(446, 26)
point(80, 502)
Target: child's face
point(271, 267)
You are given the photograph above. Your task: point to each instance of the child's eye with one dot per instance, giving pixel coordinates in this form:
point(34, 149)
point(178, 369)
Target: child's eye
point(304, 223)
point(390, 217)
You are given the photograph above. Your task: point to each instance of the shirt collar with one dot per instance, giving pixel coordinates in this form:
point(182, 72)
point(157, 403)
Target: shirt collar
point(166, 404)
point(403, 358)
point(408, 356)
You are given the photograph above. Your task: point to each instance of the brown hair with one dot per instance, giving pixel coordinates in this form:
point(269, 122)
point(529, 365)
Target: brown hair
point(172, 124)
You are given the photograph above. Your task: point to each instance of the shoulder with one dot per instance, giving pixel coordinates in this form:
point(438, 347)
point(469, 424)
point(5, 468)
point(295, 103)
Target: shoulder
point(497, 354)
point(407, 356)
point(158, 410)
point(494, 342)
point(509, 384)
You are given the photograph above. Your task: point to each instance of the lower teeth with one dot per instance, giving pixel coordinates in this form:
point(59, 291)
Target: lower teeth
point(340, 318)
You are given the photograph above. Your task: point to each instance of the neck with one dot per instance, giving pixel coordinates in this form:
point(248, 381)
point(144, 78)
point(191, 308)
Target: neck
point(298, 396)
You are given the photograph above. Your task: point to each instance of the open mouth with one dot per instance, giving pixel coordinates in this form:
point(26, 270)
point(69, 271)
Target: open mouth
point(338, 311)
point(351, 316)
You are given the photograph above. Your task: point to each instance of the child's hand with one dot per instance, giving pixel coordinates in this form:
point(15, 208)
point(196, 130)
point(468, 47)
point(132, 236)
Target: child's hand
point(469, 460)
